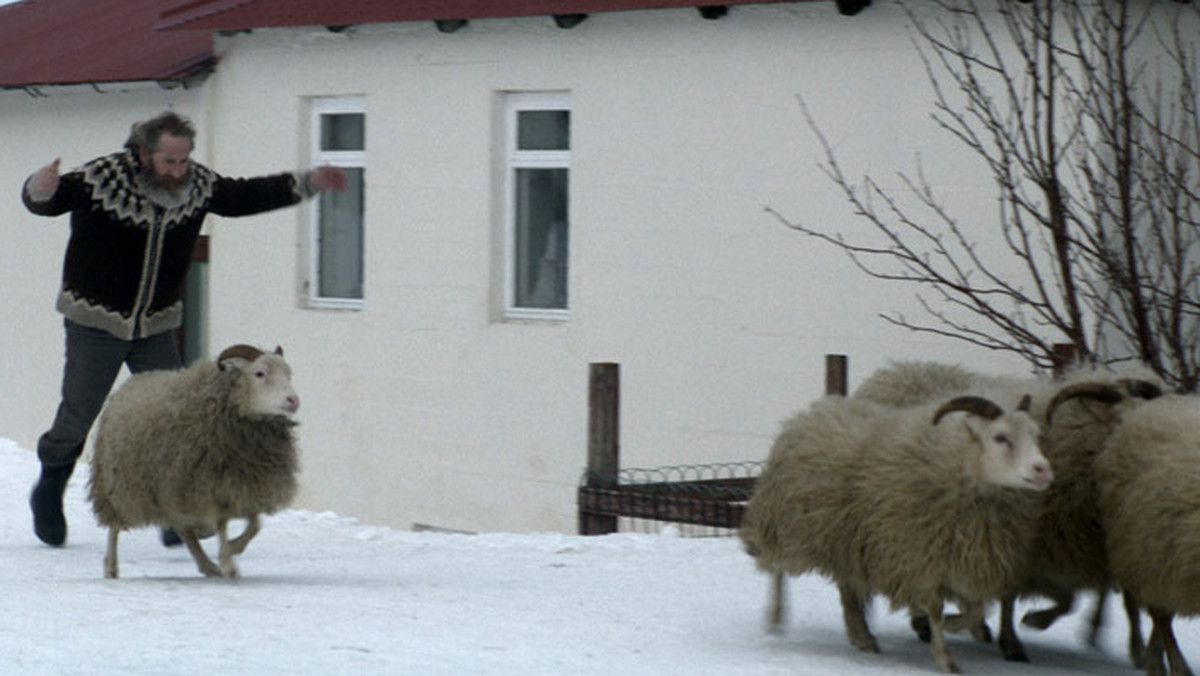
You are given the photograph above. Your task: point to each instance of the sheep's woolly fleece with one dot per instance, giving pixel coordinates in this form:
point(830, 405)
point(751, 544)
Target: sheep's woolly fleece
point(323, 594)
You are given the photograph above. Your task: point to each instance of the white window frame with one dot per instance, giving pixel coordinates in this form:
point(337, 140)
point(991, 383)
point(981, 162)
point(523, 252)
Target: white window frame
point(516, 102)
point(356, 159)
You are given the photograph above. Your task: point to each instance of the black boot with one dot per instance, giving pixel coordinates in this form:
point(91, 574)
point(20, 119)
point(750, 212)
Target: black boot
point(46, 501)
point(170, 536)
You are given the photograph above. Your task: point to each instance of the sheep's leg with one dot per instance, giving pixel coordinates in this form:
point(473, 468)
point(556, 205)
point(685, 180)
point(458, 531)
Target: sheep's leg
point(777, 612)
point(855, 620)
point(1166, 643)
point(1010, 644)
point(1097, 621)
point(969, 618)
point(1154, 653)
point(238, 544)
point(110, 555)
point(207, 567)
point(1064, 600)
point(1137, 648)
point(937, 640)
point(225, 553)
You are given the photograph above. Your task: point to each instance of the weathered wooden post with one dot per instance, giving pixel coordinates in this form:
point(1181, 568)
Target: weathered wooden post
point(1062, 357)
point(836, 374)
point(604, 441)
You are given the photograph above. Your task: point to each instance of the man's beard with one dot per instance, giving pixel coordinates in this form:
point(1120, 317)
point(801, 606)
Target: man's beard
point(164, 190)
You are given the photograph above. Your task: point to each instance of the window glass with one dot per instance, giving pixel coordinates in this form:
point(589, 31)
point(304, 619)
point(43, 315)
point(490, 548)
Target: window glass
point(340, 239)
point(343, 131)
point(541, 238)
point(543, 130)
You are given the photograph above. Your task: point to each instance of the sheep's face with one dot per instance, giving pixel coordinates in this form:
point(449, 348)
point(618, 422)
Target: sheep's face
point(268, 383)
point(1008, 451)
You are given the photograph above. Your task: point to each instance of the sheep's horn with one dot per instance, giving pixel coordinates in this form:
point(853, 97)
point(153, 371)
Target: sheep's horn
point(279, 350)
point(1142, 389)
point(1102, 392)
point(247, 352)
point(973, 405)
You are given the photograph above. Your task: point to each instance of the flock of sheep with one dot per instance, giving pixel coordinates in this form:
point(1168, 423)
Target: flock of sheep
point(931, 485)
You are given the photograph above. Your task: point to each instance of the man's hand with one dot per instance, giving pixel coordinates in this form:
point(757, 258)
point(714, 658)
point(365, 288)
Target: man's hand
point(45, 180)
point(325, 178)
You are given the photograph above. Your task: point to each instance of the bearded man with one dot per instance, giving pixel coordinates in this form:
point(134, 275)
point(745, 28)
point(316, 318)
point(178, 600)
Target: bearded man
point(135, 218)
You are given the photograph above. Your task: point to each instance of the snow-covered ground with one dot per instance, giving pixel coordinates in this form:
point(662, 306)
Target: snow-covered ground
point(323, 594)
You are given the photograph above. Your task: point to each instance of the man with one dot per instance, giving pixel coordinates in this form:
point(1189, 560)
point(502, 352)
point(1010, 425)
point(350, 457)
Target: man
point(135, 217)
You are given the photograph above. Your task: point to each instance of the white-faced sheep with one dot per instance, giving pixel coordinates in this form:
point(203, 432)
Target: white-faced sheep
point(195, 448)
point(1068, 554)
point(1147, 474)
point(923, 505)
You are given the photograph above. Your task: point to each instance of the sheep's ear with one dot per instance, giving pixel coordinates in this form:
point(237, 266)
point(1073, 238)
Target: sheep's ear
point(279, 350)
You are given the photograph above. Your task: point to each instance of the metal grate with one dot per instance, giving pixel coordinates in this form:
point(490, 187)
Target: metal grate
point(706, 496)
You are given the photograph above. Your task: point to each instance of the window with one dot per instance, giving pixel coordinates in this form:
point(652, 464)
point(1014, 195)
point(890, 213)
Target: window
point(336, 264)
point(536, 212)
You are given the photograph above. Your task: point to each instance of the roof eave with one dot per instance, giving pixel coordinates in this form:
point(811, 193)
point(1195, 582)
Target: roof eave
point(186, 78)
point(216, 15)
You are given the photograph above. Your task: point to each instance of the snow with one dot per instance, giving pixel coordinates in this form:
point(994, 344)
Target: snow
point(324, 594)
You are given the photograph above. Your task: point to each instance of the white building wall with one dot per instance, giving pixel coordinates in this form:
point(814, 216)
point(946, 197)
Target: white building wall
point(425, 407)
point(77, 124)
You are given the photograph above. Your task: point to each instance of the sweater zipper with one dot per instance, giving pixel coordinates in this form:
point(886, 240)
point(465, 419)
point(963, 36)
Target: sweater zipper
point(150, 263)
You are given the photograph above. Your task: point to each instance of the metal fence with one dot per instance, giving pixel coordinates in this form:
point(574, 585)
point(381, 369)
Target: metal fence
point(698, 500)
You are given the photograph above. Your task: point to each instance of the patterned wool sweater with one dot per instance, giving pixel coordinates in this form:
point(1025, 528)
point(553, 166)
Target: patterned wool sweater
point(130, 245)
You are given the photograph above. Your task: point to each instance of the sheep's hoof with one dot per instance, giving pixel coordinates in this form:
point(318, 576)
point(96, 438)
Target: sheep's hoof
point(867, 644)
point(1137, 654)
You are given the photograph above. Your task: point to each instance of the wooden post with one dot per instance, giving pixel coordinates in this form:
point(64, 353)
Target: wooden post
point(1063, 357)
point(836, 374)
point(604, 447)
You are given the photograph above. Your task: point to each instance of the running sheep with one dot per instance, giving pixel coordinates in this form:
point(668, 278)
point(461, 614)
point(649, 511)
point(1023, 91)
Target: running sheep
point(1069, 553)
point(1146, 475)
point(923, 505)
point(192, 449)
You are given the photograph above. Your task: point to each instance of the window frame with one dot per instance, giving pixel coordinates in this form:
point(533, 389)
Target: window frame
point(346, 159)
point(514, 160)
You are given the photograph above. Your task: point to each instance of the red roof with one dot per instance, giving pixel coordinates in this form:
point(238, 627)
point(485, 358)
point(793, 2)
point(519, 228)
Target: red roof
point(243, 14)
point(55, 42)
